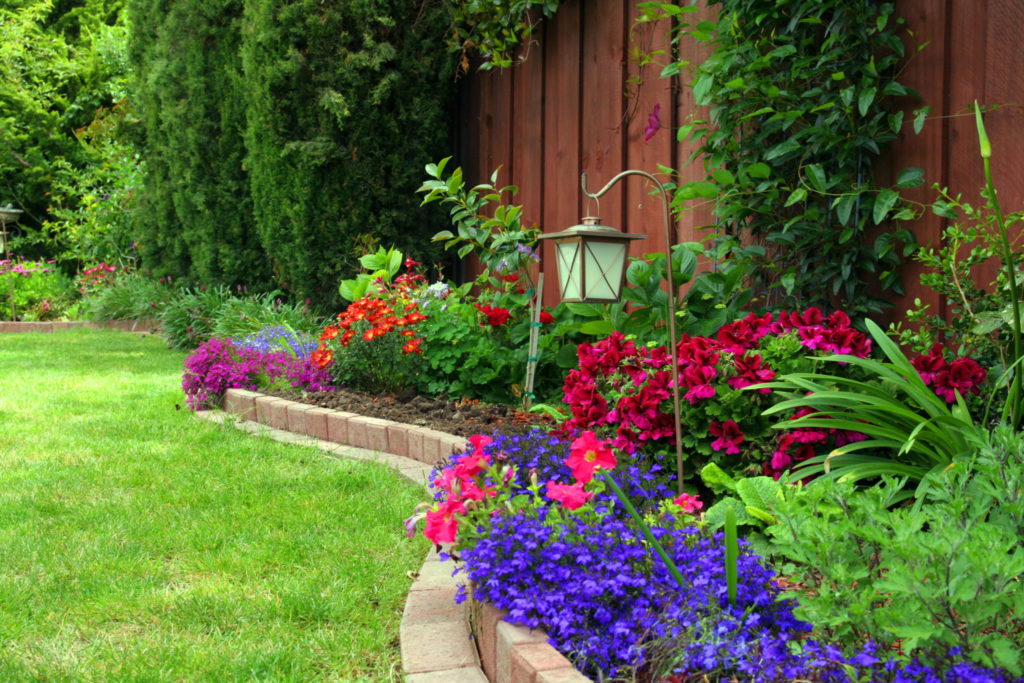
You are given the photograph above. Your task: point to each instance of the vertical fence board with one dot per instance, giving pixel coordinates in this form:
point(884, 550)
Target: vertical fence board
point(603, 107)
point(561, 152)
point(645, 151)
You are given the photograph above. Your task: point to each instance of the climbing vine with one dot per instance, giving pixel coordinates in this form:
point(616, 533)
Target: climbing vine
point(494, 28)
point(800, 99)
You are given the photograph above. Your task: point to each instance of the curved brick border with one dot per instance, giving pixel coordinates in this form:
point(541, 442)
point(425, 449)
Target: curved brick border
point(140, 326)
point(436, 635)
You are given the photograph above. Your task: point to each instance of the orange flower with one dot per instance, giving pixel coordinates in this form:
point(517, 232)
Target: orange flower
point(330, 332)
point(322, 357)
point(412, 346)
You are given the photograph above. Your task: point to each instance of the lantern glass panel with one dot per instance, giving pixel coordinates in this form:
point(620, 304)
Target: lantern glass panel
point(603, 263)
point(570, 273)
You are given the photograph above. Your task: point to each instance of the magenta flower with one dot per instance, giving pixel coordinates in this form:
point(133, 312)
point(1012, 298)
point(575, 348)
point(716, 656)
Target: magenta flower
point(688, 503)
point(729, 436)
point(653, 124)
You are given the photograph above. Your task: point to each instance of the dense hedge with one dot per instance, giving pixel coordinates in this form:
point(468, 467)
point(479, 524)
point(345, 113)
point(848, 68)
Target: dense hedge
point(283, 135)
point(195, 212)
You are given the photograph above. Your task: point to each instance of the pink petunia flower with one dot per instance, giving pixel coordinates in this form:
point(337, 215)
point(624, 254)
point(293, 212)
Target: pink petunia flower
point(688, 503)
point(442, 526)
point(571, 496)
point(588, 453)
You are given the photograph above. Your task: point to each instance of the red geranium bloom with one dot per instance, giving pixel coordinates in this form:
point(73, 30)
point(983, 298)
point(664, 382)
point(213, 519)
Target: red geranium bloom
point(729, 436)
point(322, 357)
point(496, 316)
point(546, 318)
point(571, 496)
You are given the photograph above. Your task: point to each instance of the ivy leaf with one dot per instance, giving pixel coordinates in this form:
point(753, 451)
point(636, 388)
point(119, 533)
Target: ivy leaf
point(817, 176)
point(919, 116)
point(759, 170)
point(783, 148)
point(884, 202)
point(910, 177)
point(797, 195)
point(722, 176)
point(867, 96)
point(844, 207)
point(701, 88)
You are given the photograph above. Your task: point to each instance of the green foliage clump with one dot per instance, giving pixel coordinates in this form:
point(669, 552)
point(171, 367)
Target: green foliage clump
point(195, 213)
point(494, 29)
point(57, 67)
point(345, 102)
point(801, 105)
point(928, 577)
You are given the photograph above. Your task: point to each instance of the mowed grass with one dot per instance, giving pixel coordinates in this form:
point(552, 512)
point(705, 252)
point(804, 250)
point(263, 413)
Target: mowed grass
point(138, 543)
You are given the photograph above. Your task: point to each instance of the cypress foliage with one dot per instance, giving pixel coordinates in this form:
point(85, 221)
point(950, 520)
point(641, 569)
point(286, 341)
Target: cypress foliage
point(347, 101)
point(195, 213)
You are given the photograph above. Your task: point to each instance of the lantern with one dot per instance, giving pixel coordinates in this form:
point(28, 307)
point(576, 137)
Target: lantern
point(591, 259)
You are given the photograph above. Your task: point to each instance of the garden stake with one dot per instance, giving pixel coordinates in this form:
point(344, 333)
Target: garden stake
point(533, 356)
point(669, 242)
point(732, 555)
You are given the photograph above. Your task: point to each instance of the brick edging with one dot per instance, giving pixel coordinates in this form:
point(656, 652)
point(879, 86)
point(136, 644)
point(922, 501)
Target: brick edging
point(436, 634)
point(139, 326)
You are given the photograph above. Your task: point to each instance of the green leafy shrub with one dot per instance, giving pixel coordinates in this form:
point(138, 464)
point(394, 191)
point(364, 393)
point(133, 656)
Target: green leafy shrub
point(40, 291)
point(929, 577)
point(123, 295)
point(60, 63)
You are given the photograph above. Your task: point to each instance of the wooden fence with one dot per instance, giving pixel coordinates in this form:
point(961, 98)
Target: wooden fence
point(579, 104)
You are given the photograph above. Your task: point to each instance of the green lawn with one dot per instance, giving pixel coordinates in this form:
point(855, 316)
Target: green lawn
point(139, 543)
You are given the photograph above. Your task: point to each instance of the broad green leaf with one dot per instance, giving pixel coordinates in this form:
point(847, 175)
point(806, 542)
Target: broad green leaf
point(715, 477)
point(701, 88)
point(910, 177)
point(919, 118)
point(816, 175)
point(597, 328)
point(762, 492)
point(864, 100)
point(759, 170)
point(844, 207)
point(884, 202)
point(797, 195)
point(723, 176)
point(715, 515)
point(783, 148)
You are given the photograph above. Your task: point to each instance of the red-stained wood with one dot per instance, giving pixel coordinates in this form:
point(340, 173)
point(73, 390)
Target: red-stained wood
point(603, 109)
point(925, 72)
point(650, 140)
point(561, 146)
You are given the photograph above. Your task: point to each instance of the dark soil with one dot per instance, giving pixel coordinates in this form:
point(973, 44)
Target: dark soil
point(461, 418)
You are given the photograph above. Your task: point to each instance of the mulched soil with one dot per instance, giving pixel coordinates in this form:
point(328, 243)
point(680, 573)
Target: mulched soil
point(461, 418)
